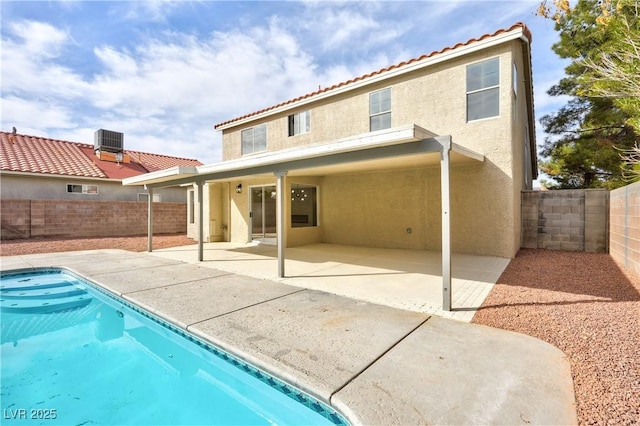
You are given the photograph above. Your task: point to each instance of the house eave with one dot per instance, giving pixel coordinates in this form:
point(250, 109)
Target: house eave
point(161, 176)
point(57, 176)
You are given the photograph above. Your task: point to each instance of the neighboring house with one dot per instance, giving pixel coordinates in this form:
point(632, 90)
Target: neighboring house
point(54, 188)
point(431, 153)
point(38, 168)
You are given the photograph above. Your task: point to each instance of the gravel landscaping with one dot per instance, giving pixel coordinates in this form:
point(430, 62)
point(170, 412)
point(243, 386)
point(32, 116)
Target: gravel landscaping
point(583, 303)
point(48, 245)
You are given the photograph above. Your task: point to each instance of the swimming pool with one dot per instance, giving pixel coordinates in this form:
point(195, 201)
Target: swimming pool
point(72, 353)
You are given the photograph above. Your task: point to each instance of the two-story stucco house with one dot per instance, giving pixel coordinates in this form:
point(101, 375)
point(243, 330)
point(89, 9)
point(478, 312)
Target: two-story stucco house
point(429, 154)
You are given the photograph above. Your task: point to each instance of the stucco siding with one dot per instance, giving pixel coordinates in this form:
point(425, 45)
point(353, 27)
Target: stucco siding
point(385, 209)
point(379, 209)
point(23, 187)
point(434, 98)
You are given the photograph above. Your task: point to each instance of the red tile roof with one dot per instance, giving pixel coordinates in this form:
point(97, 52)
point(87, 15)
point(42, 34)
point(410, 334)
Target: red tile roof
point(34, 154)
point(526, 31)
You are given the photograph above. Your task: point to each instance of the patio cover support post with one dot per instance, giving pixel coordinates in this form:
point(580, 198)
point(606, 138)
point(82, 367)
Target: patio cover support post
point(280, 220)
point(150, 221)
point(446, 222)
point(200, 222)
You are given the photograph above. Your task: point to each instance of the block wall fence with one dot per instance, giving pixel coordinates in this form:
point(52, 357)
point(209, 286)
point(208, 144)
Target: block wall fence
point(576, 220)
point(62, 218)
point(625, 227)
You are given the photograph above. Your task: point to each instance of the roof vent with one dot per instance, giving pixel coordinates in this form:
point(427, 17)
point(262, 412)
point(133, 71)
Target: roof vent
point(107, 140)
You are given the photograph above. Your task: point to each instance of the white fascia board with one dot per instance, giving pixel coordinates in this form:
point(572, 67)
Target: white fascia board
point(467, 152)
point(163, 175)
point(364, 141)
point(514, 34)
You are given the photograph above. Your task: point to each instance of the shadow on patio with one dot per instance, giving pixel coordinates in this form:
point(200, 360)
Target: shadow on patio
point(404, 279)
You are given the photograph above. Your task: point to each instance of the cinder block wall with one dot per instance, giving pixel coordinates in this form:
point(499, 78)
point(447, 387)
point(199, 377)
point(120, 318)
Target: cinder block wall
point(575, 220)
point(624, 228)
point(64, 218)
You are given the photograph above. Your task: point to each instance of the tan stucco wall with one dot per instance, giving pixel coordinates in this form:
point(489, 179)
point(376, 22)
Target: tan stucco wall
point(229, 208)
point(376, 209)
point(485, 197)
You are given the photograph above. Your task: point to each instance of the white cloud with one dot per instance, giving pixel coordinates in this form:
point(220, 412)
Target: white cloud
point(147, 10)
point(171, 87)
point(20, 113)
point(39, 38)
point(229, 73)
point(28, 62)
point(349, 26)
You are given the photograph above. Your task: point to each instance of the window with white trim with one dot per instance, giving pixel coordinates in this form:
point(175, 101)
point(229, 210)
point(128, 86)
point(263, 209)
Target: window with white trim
point(304, 205)
point(144, 196)
point(299, 123)
point(254, 139)
point(82, 189)
point(191, 197)
point(380, 110)
point(483, 89)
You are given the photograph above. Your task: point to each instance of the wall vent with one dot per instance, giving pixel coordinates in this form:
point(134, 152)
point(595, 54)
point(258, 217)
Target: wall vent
point(107, 140)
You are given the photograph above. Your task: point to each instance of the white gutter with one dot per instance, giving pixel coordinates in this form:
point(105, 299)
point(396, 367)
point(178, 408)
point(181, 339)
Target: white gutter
point(361, 142)
point(161, 175)
point(385, 137)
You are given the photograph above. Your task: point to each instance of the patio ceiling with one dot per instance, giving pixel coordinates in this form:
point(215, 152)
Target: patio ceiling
point(404, 147)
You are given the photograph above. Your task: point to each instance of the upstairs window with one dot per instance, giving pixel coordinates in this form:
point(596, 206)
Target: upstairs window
point(254, 139)
point(299, 123)
point(380, 110)
point(483, 89)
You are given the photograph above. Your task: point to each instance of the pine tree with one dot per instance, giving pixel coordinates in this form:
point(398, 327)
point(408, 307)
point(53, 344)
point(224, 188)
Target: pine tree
point(590, 135)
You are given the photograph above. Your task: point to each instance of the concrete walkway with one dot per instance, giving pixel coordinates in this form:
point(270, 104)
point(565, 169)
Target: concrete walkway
point(403, 279)
point(375, 364)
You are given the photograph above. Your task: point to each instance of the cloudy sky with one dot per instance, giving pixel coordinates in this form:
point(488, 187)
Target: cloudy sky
point(165, 72)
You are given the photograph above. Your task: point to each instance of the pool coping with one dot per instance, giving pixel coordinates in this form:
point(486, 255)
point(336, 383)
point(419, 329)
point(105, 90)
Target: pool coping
point(381, 380)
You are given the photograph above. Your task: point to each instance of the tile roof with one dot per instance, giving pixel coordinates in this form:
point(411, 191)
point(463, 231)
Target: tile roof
point(525, 30)
point(34, 154)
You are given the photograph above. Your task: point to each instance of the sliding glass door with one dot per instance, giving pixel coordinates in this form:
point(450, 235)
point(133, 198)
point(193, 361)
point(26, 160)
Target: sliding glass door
point(263, 214)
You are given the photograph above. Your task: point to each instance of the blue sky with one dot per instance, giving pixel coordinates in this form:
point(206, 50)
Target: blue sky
point(165, 72)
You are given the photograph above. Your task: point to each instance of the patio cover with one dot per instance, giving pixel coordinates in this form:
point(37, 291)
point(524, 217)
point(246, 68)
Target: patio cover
point(384, 148)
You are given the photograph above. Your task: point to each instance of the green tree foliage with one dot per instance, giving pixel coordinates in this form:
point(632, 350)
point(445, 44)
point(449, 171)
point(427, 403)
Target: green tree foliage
point(589, 135)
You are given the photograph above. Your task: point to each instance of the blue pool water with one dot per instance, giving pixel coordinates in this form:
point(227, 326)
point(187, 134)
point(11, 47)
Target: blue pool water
point(73, 354)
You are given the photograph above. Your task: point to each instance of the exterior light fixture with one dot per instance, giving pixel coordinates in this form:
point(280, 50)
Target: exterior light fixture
point(239, 188)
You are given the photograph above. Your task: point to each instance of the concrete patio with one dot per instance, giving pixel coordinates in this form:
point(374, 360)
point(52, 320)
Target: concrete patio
point(373, 363)
point(403, 279)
